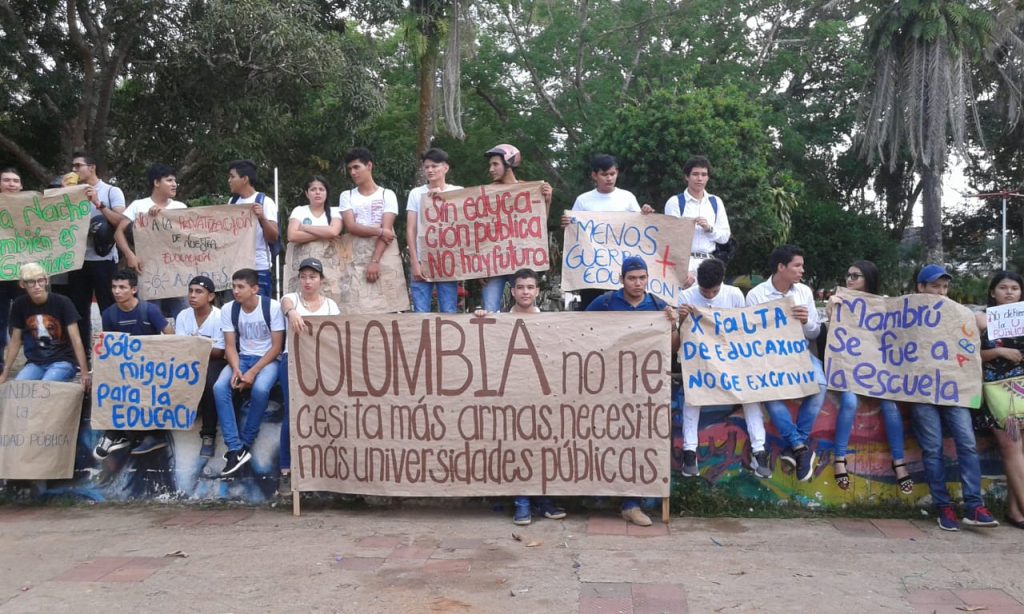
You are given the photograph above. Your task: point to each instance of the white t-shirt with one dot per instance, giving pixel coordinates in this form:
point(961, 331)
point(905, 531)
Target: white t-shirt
point(729, 297)
point(185, 324)
point(369, 210)
point(765, 292)
point(143, 205)
point(616, 200)
point(327, 308)
point(112, 197)
point(413, 204)
point(704, 241)
point(254, 336)
point(269, 212)
point(306, 217)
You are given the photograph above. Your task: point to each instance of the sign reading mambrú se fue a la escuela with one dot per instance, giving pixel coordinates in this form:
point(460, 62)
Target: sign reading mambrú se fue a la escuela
point(149, 382)
point(429, 405)
point(920, 348)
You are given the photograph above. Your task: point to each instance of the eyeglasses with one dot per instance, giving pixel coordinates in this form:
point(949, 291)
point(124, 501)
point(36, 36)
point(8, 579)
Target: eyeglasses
point(35, 282)
point(80, 164)
point(854, 276)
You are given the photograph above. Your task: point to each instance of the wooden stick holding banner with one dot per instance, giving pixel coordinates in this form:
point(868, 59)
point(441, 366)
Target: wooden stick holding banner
point(920, 348)
point(49, 228)
point(152, 382)
point(597, 243)
point(174, 246)
point(756, 353)
point(428, 405)
point(38, 429)
point(345, 260)
point(484, 231)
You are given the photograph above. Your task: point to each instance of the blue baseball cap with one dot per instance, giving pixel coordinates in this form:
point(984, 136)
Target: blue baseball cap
point(633, 263)
point(932, 272)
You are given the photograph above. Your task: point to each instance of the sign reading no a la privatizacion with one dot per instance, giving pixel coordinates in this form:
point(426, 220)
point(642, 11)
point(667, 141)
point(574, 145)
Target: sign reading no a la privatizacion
point(151, 382)
point(921, 348)
point(484, 231)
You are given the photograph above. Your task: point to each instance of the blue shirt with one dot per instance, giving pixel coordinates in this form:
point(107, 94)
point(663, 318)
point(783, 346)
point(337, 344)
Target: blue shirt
point(144, 319)
point(616, 301)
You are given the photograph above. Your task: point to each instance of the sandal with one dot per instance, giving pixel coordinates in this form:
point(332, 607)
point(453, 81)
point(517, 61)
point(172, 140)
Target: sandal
point(842, 477)
point(906, 483)
point(1014, 523)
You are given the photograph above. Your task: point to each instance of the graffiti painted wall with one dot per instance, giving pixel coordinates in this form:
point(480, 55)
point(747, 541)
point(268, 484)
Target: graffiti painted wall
point(178, 473)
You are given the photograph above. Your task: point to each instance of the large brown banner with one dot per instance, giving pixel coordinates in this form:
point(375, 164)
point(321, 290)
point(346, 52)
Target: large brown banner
point(437, 406)
point(49, 228)
point(484, 231)
point(745, 355)
point(148, 382)
point(38, 429)
point(345, 260)
point(920, 348)
point(175, 246)
point(597, 243)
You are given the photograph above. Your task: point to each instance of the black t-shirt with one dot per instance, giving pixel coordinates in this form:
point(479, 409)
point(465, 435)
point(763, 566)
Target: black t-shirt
point(45, 328)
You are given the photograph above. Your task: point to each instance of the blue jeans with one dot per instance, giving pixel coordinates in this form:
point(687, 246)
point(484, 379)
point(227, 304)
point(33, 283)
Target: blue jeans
point(447, 295)
point(890, 417)
point(285, 454)
point(222, 393)
point(266, 282)
point(796, 435)
point(493, 292)
point(62, 371)
point(929, 422)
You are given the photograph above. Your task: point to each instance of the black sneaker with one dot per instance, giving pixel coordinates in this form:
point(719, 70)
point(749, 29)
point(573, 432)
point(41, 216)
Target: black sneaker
point(805, 460)
point(235, 459)
point(150, 443)
point(761, 463)
point(108, 445)
point(690, 469)
point(788, 457)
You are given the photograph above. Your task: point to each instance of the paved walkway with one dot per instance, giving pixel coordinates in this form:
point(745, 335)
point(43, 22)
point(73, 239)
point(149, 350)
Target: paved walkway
point(428, 559)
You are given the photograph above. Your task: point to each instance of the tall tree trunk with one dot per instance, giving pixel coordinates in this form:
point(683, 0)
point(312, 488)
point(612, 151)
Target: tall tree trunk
point(427, 80)
point(931, 206)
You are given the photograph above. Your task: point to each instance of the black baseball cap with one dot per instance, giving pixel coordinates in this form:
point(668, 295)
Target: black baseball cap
point(204, 281)
point(312, 263)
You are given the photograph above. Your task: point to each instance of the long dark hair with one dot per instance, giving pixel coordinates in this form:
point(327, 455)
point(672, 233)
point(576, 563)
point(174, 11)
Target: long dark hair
point(871, 277)
point(323, 181)
point(1000, 276)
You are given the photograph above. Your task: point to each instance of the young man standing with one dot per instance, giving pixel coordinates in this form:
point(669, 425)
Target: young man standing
point(502, 160)
point(787, 266)
point(525, 289)
point(242, 179)
point(435, 168)
point(130, 315)
point(253, 339)
point(931, 422)
point(633, 296)
point(711, 224)
point(163, 188)
point(97, 271)
point(711, 291)
point(368, 210)
point(202, 319)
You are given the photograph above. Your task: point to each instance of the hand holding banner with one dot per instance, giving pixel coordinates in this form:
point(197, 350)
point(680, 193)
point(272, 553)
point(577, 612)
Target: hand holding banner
point(49, 228)
point(38, 429)
point(142, 383)
point(920, 348)
point(176, 245)
point(484, 231)
point(597, 243)
point(744, 355)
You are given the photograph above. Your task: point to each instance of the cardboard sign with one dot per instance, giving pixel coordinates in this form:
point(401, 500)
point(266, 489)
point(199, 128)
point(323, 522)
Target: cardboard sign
point(597, 243)
point(1005, 321)
point(744, 355)
point(345, 260)
point(38, 429)
point(49, 228)
point(174, 246)
point(432, 406)
point(484, 231)
point(152, 382)
point(920, 348)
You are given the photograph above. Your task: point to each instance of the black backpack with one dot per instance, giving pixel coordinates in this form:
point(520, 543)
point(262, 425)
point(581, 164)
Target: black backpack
point(723, 251)
point(236, 313)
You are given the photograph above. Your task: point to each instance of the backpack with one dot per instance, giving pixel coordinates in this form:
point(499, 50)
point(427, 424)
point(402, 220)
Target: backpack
point(275, 247)
point(723, 251)
point(236, 313)
point(102, 234)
